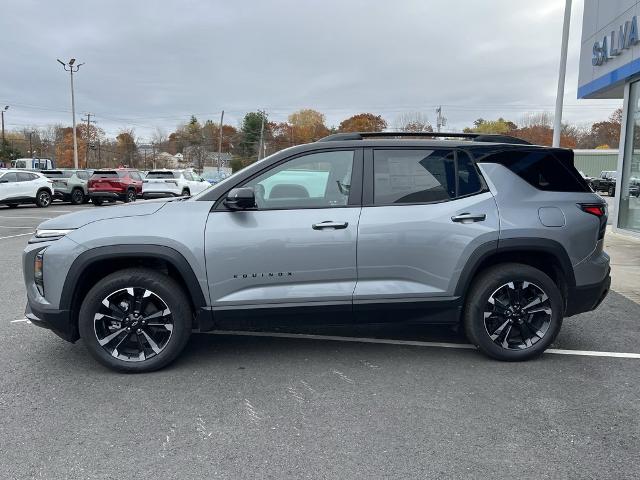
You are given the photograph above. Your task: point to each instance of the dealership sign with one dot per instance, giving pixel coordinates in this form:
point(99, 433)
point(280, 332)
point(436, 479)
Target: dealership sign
point(614, 44)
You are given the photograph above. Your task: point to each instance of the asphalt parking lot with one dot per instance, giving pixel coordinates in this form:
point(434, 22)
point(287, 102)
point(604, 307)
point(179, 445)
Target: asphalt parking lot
point(397, 405)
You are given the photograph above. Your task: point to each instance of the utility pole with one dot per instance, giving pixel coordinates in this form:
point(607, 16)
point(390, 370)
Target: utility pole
point(69, 67)
point(220, 142)
point(557, 119)
point(6, 107)
point(261, 134)
point(30, 146)
point(88, 138)
point(440, 120)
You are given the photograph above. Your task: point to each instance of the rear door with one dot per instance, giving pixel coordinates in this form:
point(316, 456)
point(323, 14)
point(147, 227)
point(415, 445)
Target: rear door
point(424, 212)
point(298, 247)
point(27, 185)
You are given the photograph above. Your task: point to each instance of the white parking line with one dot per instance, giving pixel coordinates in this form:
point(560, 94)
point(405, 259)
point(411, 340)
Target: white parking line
point(13, 226)
point(21, 320)
point(26, 216)
point(413, 343)
point(18, 235)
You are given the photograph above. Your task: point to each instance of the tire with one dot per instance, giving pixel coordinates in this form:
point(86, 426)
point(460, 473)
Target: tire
point(539, 328)
point(612, 191)
point(159, 344)
point(97, 202)
point(186, 192)
point(77, 196)
point(43, 198)
point(130, 196)
point(12, 205)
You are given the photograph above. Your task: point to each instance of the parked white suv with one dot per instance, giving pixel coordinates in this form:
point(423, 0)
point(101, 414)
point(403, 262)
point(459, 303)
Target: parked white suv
point(172, 183)
point(19, 186)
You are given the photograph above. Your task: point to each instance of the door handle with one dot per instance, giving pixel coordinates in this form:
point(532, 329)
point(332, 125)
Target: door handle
point(469, 217)
point(330, 224)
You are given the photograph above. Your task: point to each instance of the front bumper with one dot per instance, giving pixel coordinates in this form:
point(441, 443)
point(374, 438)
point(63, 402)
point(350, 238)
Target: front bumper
point(587, 297)
point(58, 321)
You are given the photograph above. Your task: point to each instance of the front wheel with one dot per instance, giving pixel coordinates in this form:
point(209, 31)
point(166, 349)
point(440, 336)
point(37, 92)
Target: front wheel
point(43, 199)
point(612, 191)
point(12, 205)
point(97, 202)
point(513, 312)
point(135, 320)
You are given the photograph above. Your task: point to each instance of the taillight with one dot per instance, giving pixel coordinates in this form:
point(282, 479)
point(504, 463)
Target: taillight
point(599, 210)
point(596, 209)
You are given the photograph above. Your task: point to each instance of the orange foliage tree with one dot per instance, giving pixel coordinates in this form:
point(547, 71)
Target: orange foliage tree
point(363, 122)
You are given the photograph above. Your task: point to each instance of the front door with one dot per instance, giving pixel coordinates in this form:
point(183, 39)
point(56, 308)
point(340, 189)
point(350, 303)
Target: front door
point(298, 246)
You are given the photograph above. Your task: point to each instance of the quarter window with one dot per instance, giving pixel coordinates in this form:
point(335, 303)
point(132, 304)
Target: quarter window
point(26, 177)
point(311, 181)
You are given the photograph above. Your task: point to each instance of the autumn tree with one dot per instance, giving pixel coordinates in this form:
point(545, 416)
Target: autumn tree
point(307, 126)
point(605, 133)
point(412, 122)
point(500, 126)
point(363, 122)
point(126, 148)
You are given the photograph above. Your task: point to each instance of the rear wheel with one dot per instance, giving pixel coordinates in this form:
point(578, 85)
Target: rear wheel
point(135, 320)
point(12, 205)
point(43, 199)
point(513, 312)
point(130, 196)
point(97, 201)
point(186, 192)
point(77, 196)
point(612, 191)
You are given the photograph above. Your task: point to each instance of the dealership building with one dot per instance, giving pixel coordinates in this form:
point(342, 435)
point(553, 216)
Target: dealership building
point(610, 68)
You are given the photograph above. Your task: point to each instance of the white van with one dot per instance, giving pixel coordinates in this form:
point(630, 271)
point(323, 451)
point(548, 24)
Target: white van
point(32, 163)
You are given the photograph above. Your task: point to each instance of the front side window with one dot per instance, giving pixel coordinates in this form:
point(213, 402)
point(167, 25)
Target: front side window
point(9, 177)
point(312, 181)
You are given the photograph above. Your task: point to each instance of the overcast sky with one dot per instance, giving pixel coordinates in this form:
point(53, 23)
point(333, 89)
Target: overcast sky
point(154, 63)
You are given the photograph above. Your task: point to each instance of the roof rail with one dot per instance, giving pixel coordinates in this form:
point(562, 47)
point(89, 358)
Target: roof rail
point(476, 137)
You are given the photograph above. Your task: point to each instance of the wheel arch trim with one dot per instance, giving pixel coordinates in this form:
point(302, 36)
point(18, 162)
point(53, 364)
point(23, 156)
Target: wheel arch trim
point(156, 252)
point(512, 245)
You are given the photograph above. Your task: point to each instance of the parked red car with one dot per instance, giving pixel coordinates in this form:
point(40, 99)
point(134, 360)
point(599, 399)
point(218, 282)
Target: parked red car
point(122, 184)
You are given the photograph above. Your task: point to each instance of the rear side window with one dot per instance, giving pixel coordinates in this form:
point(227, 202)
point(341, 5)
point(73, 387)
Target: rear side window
point(161, 175)
point(26, 177)
point(543, 169)
point(423, 176)
point(135, 175)
point(105, 174)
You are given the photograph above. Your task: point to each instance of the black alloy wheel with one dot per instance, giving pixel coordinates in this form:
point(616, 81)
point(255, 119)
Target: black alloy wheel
point(513, 312)
point(130, 197)
point(517, 315)
point(43, 200)
point(135, 320)
point(77, 196)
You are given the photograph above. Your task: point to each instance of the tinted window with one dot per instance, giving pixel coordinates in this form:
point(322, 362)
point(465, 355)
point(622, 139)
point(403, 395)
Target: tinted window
point(468, 178)
point(315, 180)
point(135, 175)
point(188, 176)
point(10, 177)
point(59, 173)
point(413, 176)
point(83, 175)
point(105, 174)
point(26, 177)
point(543, 169)
point(161, 175)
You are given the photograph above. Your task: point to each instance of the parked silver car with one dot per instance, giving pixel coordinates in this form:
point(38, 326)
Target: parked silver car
point(70, 185)
point(502, 237)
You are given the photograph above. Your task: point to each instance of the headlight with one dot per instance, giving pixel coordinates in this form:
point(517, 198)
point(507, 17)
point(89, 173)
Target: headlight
point(38, 277)
point(48, 233)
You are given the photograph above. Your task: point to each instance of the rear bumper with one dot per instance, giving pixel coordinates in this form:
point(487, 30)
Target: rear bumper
point(587, 297)
point(146, 195)
point(58, 321)
point(106, 195)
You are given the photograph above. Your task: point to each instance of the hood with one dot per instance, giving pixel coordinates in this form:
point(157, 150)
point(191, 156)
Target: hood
point(89, 215)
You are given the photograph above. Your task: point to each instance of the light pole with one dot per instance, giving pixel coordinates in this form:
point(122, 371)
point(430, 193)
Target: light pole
point(6, 107)
point(69, 67)
point(557, 119)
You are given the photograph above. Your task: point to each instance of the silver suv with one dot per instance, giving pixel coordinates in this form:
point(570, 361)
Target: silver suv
point(503, 237)
point(70, 185)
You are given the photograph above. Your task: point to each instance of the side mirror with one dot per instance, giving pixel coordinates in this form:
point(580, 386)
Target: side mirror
point(240, 198)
